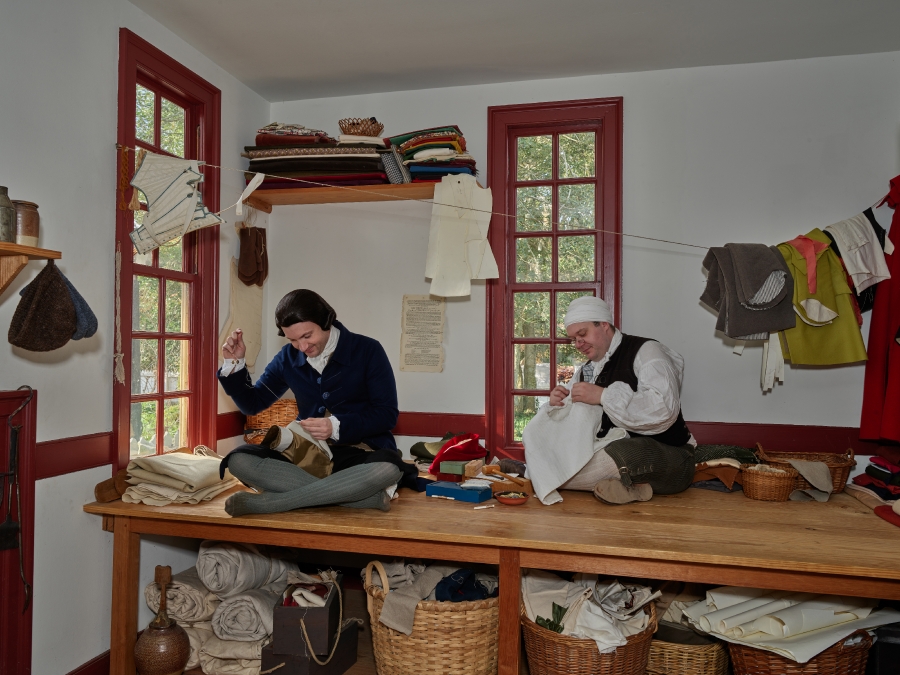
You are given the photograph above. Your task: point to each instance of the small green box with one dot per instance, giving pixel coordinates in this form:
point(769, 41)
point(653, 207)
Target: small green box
point(456, 468)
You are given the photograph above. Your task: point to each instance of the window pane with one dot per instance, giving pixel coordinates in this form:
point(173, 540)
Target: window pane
point(576, 207)
point(143, 428)
point(576, 258)
point(177, 307)
point(146, 258)
point(576, 155)
point(170, 256)
point(145, 304)
point(524, 408)
point(175, 423)
point(533, 259)
point(567, 360)
point(531, 367)
point(563, 298)
point(171, 128)
point(144, 114)
point(534, 159)
point(532, 315)
point(176, 365)
point(144, 365)
point(534, 208)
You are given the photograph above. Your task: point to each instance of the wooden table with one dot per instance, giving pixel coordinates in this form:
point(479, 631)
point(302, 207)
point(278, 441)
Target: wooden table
point(701, 536)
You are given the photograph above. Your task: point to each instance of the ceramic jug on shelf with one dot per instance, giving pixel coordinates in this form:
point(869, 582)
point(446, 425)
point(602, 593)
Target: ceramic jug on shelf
point(7, 218)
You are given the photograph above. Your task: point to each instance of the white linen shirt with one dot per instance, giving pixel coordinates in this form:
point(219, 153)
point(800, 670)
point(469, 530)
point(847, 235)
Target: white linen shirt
point(655, 405)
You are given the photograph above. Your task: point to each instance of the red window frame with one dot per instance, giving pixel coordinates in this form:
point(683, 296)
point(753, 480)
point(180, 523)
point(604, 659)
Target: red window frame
point(505, 125)
point(142, 63)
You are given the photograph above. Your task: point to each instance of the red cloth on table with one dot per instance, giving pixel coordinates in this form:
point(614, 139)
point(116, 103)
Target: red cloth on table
point(880, 418)
point(865, 480)
point(884, 464)
point(887, 513)
point(275, 140)
point(458, 448)
point(810, 250)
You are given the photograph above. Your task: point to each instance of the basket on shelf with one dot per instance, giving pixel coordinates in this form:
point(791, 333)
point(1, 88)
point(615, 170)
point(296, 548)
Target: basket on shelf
point(839, 465)
point(848, 657)
point(282, 413)
point(448, 638)
point(550, 653)
point(361, 126)
point(768, 483)
point(670, 658)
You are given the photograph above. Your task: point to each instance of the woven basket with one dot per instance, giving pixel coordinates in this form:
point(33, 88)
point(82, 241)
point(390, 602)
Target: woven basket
point(550, 653)
point(839, 659)
point(669, 658)
point(282, 413)
point(768, 487)
point(448, 638)
point(839, 465)
point(356, 126)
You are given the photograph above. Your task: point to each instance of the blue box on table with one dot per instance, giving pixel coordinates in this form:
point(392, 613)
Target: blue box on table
point(457, 492)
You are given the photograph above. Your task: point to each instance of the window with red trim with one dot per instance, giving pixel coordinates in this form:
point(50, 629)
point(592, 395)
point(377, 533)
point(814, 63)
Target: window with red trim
point(555, 169)
point(168, 298)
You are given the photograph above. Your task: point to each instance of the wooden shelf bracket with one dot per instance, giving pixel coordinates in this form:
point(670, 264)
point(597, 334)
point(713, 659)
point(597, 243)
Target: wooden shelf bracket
point(14, 257)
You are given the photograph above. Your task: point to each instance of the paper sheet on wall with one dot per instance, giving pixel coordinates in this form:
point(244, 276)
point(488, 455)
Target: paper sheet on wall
point(246, 314)
point(422, 334)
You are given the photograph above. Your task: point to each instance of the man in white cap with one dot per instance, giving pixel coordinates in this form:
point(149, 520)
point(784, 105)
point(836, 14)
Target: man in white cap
point(637, 382)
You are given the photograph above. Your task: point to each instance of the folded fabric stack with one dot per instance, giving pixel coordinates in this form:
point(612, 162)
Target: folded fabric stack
point(797, 626)
point(879, 487)
point(606, 612)
point(293, 156)
point(226, 604)
point(175, 478)
point(431, 154)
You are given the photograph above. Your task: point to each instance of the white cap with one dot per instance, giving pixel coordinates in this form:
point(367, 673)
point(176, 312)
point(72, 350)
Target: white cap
point(588, 308)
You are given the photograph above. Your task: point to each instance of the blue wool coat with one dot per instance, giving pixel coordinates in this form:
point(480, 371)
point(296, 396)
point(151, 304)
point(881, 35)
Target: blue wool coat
point(357, 386)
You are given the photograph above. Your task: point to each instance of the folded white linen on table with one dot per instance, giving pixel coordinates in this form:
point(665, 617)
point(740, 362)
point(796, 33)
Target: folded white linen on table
point(180, 470)
point(187, 599)
point(163, 495)
point(198, 633)
point(225, 657)
point(228, 568)
point(559, 441)
point(246, 617)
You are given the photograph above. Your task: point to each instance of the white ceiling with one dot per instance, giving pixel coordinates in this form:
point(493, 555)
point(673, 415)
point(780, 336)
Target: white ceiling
point(299, 49)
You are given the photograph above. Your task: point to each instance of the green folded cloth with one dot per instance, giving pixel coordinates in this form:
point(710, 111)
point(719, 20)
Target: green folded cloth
point(455, 467)
point(430, 450)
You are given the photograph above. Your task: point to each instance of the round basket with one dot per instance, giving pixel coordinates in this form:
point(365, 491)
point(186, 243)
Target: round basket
point(839, 659)
point(448, 638)
point(768, 486)
point(838, 465)
point(282, 413)
point(361, 126)
point(550, 653)
point(669, 658)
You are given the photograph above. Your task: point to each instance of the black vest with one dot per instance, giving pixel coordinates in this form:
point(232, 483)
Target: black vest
point(620, 368)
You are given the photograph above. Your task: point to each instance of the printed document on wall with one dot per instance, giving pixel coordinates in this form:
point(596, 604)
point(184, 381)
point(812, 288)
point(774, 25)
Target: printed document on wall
point(422, 334)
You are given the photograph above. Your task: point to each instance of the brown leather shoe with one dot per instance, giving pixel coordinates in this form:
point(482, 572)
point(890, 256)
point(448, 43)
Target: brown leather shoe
point(613, 491)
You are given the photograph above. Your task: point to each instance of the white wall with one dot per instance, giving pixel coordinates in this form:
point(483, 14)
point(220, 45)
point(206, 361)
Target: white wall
point(748, 153)
point(57, 148)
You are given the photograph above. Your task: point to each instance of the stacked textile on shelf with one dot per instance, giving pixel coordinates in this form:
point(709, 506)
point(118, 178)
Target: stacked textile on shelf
point(226, 604)
point(797, 626)
point(292, 156)
point(431, 154)
point(176, 478)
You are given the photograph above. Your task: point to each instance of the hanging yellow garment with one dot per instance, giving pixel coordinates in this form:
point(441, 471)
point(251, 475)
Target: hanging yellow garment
point(826, 333)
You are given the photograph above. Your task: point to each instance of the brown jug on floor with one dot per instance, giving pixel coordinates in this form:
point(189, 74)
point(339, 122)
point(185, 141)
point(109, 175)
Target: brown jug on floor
point(164, 647)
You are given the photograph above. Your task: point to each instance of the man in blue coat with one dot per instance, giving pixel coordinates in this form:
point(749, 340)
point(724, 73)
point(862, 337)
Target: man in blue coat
point(346, 396)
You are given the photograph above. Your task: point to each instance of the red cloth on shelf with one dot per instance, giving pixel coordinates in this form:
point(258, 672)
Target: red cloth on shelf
point(865, 480)
point(880, 417)
point(885, 464)
point(887, 513)
point(458, 448)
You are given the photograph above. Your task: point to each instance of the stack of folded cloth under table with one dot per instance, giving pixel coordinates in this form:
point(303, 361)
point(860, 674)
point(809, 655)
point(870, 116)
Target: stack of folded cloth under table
point(431, 154)
point(293, 156)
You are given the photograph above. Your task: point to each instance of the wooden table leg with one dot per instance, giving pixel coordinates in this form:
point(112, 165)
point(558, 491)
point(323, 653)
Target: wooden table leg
point(123, 620)
point(510, 584)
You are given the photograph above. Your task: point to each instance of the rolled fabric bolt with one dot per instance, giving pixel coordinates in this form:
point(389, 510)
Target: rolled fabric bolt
point(710, 621)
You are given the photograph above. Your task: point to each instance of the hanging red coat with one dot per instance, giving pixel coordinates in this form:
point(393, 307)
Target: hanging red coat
point(880, 419)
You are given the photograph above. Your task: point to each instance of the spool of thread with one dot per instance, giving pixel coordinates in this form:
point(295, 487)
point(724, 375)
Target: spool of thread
point(27, 223)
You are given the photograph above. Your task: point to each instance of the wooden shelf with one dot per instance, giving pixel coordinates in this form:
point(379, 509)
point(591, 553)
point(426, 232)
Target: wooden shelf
point(13, 259)
point(264, 200)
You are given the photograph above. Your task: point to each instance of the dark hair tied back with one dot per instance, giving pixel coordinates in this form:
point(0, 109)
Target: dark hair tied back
point(303, 305)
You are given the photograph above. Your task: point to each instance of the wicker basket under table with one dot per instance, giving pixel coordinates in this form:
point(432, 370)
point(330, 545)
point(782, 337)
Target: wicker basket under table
point(281, 413)
point(839, 659)
point(669, 658)
point(839, 465)
point(448, 638)
point(550, 653)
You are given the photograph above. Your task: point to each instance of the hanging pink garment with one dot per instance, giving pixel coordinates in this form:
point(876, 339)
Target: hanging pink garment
point(809, 249)
point(880, 418)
